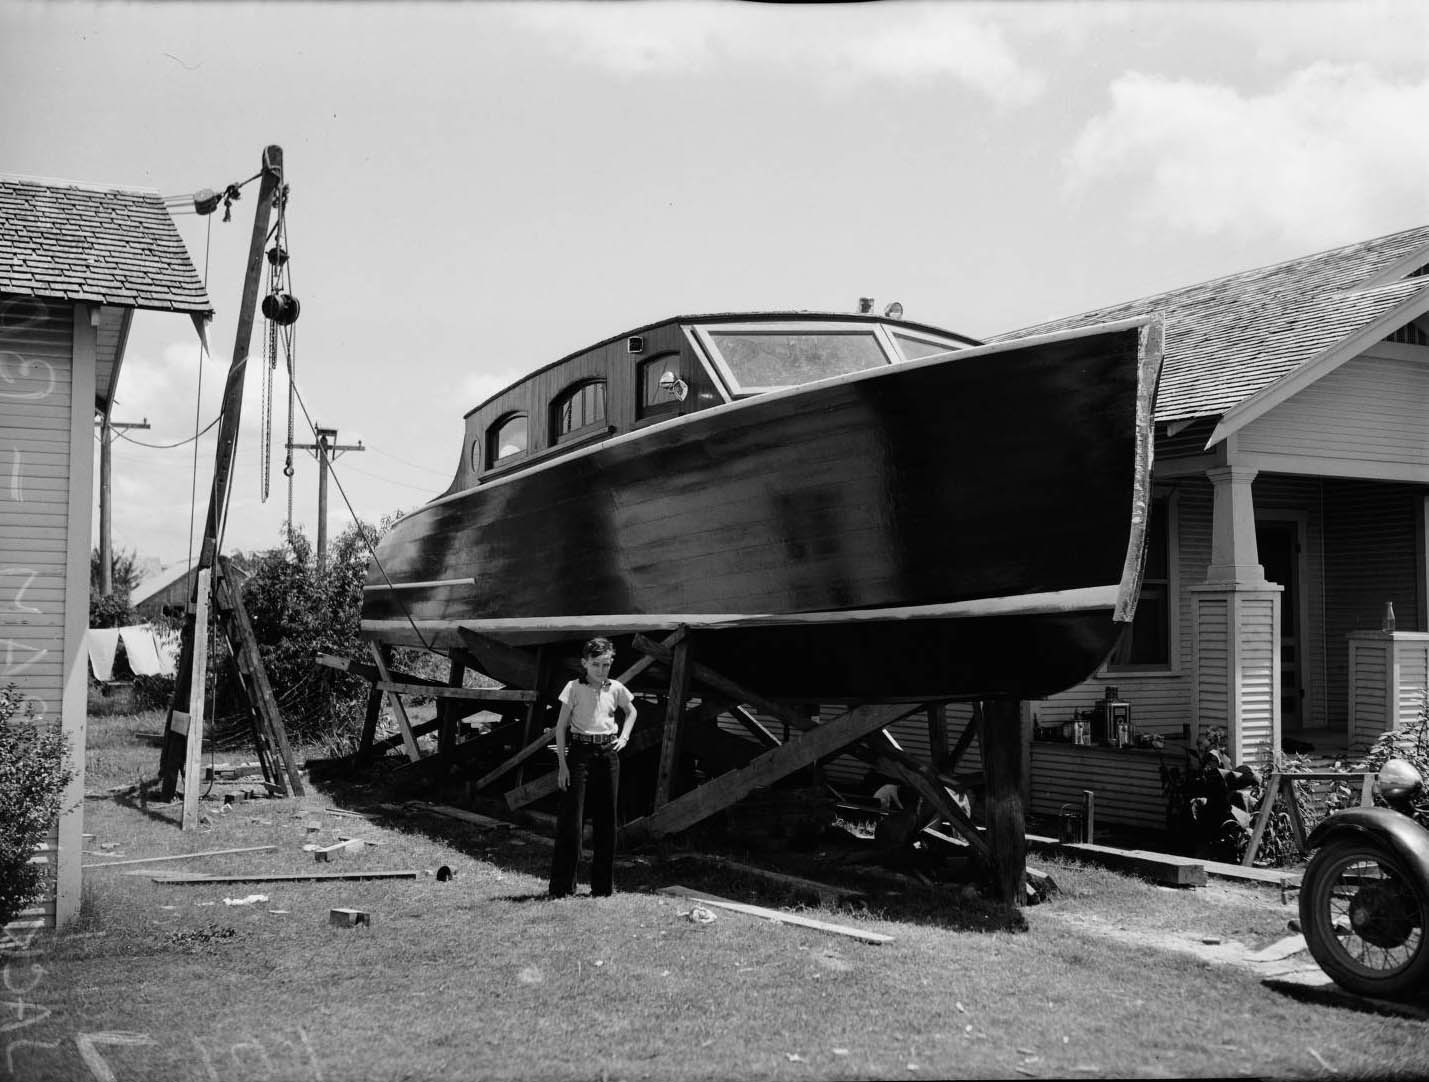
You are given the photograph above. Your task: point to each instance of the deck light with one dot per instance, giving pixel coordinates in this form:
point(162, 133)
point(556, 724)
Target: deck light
point(865, 306)
point(674, 386)
point(894, 311)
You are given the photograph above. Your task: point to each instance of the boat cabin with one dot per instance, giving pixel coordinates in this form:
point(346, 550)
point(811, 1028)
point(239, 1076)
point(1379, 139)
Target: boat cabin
point(674, 368)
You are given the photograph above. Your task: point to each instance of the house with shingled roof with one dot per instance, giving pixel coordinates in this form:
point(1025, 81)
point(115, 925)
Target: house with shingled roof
point(76, 263)
point(1285, 586)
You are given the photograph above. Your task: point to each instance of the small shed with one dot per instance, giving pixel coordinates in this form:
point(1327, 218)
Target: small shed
point(76, 262)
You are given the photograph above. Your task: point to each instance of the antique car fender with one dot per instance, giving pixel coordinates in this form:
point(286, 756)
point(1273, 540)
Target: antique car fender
point(1403, 835)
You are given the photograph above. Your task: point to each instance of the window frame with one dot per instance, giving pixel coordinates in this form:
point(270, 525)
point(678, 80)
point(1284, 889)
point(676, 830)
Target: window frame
point(669, 406)
point(566, 394)
point(492, 443)
point(1169, 504)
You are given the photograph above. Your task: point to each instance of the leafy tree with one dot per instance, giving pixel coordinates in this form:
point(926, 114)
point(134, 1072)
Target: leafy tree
point(298, 612)
point(34, 770)
point(114, 610)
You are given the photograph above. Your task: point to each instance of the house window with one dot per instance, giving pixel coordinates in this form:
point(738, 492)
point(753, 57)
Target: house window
point(506, 439)
point(655, 400)
point(578, 410)
point(1146, 644)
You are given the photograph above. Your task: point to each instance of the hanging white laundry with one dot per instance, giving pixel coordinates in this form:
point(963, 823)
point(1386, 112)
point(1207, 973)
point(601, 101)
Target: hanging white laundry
point(142, 650)
point(103, 643)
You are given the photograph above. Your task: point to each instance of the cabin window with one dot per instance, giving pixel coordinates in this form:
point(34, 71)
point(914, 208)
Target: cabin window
point(915, 348)
point(1147, 643)
point(578, 410)
point(765, 360)
point(507, 438)
point(657, 400)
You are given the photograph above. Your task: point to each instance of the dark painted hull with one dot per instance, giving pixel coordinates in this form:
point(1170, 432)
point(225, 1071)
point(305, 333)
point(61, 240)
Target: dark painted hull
point(958, 528)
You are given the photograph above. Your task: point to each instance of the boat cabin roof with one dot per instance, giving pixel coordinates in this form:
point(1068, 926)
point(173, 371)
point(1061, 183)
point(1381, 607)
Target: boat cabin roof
point(673, 368)
point(916, 340)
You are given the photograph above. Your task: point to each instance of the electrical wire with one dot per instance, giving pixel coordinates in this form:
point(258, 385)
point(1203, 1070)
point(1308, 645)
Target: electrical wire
point(406, 613)
point(170, 446)
point(394, 458)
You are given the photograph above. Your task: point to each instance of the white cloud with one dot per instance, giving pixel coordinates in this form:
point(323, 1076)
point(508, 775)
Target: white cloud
point(840, 46)
point(1331, 143)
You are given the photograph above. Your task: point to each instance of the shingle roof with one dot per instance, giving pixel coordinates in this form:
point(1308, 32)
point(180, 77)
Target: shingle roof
point(114, 246)
point(1229, 338)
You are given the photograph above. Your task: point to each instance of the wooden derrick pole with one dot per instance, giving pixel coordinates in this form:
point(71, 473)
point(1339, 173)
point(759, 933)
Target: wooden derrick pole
point(1004, 772)
point(270, 187)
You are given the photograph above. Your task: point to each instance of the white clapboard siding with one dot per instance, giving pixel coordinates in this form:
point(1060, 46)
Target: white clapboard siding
point(1212, 688)
point(1259, 672)
point(1389, 678)
point(1369, 410)
point(36, 436)
point(1125, 782)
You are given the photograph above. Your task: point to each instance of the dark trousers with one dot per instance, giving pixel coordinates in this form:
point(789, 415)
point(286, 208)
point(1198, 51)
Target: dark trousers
point(595, 783)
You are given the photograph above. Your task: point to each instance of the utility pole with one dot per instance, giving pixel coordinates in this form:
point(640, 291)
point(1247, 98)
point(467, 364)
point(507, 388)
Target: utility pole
point(106, 546)
point(325, 446)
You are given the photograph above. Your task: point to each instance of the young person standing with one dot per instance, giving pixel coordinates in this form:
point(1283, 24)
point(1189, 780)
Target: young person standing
point(588, 745)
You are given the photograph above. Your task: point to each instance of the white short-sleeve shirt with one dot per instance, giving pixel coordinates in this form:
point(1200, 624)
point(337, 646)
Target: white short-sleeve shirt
point(593, 709)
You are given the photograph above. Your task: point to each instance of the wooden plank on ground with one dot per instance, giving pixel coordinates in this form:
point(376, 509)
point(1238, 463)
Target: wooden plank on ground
point(448, 812)
point(298, 877)
point(776, 915)
point(180, 856)
point(825, 892)
point(719, 793)
point(494, 696)
point(1163, 868)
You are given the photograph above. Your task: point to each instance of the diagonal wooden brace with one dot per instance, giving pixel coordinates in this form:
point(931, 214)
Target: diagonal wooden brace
point(715, 795)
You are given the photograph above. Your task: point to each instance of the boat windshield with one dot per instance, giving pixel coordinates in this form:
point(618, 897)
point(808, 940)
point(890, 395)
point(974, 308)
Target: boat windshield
point(765, 360)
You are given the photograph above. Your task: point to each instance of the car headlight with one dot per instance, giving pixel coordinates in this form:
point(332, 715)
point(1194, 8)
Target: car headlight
point(1398, 780)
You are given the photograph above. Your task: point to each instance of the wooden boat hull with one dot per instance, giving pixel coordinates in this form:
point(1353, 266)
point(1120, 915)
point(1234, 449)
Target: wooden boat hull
point(959, 527)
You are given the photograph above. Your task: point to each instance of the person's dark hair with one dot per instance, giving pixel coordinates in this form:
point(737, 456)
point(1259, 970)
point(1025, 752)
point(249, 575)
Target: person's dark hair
point(597, 647)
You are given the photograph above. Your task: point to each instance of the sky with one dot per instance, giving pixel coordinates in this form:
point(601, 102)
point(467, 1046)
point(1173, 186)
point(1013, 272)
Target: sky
point(479, 189)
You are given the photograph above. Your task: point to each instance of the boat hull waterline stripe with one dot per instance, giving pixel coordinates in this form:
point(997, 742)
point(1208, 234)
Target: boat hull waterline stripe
point(1086, 599)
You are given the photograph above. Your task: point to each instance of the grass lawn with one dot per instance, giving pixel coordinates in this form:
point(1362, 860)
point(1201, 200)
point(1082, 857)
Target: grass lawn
point(481, 977)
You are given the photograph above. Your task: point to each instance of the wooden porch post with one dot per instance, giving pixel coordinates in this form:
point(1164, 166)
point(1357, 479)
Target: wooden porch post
point(1002, 765)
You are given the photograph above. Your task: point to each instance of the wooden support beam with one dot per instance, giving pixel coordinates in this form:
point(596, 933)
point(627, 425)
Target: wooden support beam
point(965, 739)
point(369, 725)
point(509, 664)
point(446, 736)
point(674, 715)
point(394, 700)
point(263, 877)
point(1002, 761)
point(514, 761)
point(938, 733)
point(198, 687)
point(886, 757)
point(686, 810)
point(243, 644)
point(483, 696)
point(545, 785)
point(641, 664)
point(702, 674)
point(397, 739)
point(753, 725)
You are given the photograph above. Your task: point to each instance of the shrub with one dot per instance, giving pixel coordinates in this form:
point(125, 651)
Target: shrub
point(34, 770)
point(298, 612)
point(1208, 801)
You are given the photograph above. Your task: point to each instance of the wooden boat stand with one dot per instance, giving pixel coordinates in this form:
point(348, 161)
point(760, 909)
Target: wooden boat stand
point(694, 695)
